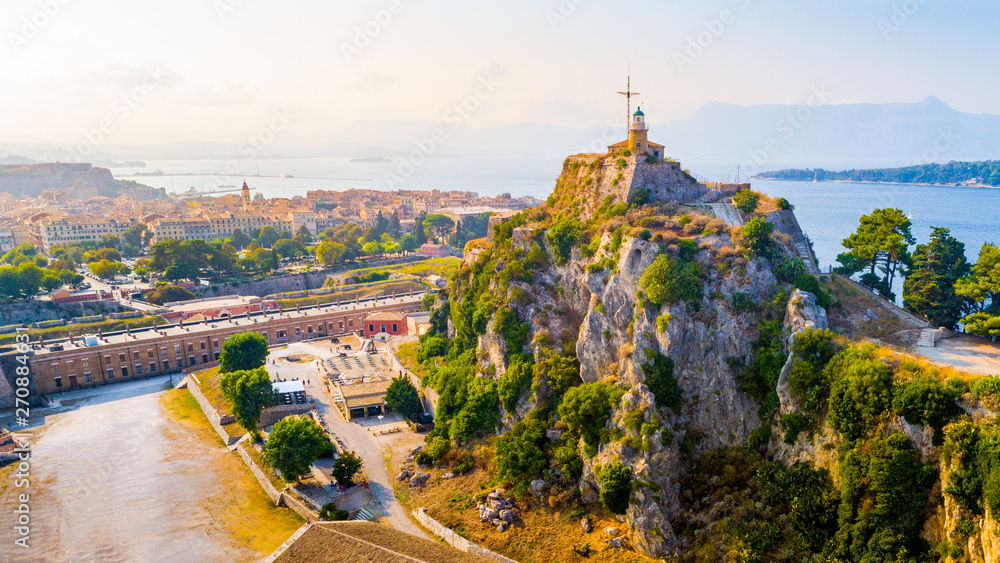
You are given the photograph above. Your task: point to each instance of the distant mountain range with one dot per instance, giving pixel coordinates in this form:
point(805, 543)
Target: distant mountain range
point(718, 136)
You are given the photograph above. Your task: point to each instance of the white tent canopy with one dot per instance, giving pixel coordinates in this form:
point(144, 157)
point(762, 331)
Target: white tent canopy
point(282, 387)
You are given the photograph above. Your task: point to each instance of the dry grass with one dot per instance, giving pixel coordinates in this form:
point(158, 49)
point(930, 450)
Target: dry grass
point(918, 364)
point(542, 534)
point(407, 354)
point(240, 508)
point(210, 387)
point(849, 316)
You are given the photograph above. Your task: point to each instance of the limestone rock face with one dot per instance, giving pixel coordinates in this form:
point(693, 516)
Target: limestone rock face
point(802, 313)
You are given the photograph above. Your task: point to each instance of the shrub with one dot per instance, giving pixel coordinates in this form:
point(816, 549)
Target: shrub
point(616, 487)
point(746, 201)
point(809, 282)
point(743, 303)
point(331, 513)
point(862, 391)
point(586, 409)
point(660, 379)
point(789, 269)
point(926, 401)
point(668, 280)
point(438, 447)
point(520, 454)
point(687, 249)
point(755, 237)
point(794, 423)
point(563, 236)
point(783, 204)
point(985, 386)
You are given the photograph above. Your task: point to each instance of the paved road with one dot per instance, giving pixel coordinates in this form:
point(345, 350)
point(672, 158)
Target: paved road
point(356, 437)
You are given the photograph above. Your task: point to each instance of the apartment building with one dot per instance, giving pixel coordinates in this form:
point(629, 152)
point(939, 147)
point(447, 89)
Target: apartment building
point(79, 228)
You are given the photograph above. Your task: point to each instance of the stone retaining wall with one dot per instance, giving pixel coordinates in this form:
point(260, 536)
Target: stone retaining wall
point(455, 540)
point(265, 483)
point(193, 385)
point(90, 319)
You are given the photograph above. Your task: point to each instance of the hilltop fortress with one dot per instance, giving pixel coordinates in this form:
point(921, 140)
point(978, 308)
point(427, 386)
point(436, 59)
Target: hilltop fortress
point(634, 170)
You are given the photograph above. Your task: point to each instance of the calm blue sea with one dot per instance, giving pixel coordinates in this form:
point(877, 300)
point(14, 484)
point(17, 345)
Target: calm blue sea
point(828, 211)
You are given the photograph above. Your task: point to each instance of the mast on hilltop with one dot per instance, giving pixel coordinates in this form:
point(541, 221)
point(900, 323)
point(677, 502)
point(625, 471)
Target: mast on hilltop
point(628, 93)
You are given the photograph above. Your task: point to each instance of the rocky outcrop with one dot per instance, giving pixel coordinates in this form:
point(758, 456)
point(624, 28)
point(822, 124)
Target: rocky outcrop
point(802, 313)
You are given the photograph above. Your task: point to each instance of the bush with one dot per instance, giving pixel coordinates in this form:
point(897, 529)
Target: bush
point(985, 386)
point(668, 281)
point(743, 303)
point(755, 237)
point(861, 392)
point(563, 236)
point(746, 201)
point(789, 269)
point(586, 409)
point(783, 204)
point(660, 379)
point(926, 401)
point(520, 454)
point(616, 487)
point(809, 282)
point(331, 513)
point(438, 447)
point(794, 423)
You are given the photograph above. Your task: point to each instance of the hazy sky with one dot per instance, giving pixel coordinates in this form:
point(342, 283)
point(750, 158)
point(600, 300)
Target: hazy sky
point(198, 70)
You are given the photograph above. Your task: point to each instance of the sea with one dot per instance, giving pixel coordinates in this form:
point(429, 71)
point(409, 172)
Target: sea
point(827, 211)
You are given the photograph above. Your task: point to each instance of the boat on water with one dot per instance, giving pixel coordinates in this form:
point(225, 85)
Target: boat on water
point(286, 175)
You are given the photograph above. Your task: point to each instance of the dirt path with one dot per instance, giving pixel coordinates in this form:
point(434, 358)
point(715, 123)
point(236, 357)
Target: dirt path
point(966, 353)
point(118, 481)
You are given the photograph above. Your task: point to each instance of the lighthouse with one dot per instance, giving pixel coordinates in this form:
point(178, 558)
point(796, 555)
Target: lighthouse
point(638, 134)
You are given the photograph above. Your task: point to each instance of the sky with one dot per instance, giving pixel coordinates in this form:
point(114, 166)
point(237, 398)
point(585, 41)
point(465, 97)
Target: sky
point(220, 70)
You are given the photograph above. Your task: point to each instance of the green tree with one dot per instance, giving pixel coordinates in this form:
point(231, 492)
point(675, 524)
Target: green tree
point(109, 241)
point(106, 268)
point(662, 384)
point(402, 397)
point(418, 230)
point(330, 252)
point(135, 235)
point(168, 293)
point(927, 401)
point(303, 232)
point(243, 351)
point(755, 238)
point(861, 392)
point(616, 487)
point(981, 289)
point(288, 248)
point(881, 243)
point(746, 201)
point(408, 243)
point(668, 280)
point(520, 454)
point(293, 445)
point(346, 467)
point(586, 409)
point(929, 287)
point(250, 391)
point(562, 237)
point(442, 225)
point(268, 236)
point(239, 239)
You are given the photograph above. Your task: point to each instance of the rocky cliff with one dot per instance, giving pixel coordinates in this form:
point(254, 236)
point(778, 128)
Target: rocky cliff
point(572, 280)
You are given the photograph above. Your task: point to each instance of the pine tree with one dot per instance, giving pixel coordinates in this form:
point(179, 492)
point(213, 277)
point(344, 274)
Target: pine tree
point(929, 288)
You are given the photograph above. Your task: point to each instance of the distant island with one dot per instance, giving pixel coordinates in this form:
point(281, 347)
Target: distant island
point(976, 174)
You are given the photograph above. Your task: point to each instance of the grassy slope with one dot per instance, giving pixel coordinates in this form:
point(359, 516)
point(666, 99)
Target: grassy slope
point(240, 506)
point(542, 534)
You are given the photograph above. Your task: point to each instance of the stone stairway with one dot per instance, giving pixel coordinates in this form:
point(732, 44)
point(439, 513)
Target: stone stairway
point(803, 251)
point(927, 338)
point(363, 514)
